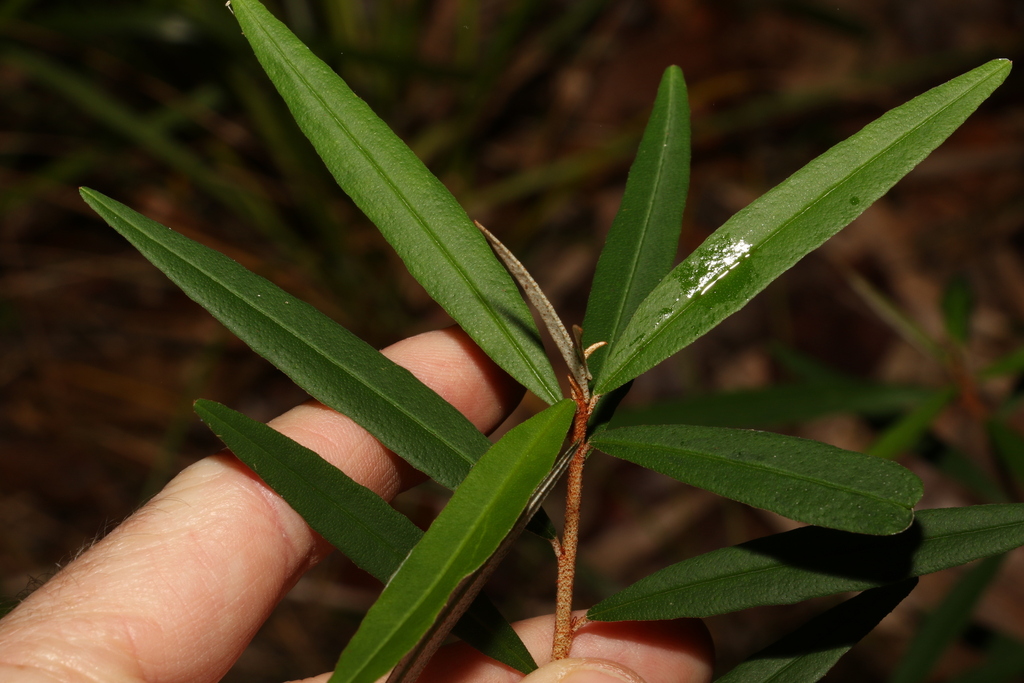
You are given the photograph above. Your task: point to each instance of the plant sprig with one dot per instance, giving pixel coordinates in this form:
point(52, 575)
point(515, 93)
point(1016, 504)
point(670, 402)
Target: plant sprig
point(641, 312)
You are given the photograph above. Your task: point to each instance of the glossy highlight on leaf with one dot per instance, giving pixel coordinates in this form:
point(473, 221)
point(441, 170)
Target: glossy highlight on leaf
point(332, 364)
point(767, 237)
point(642, 242)
point(469, 529)
point(416, 213)
point(805, 480)
point(351, 517)
point(811, 562)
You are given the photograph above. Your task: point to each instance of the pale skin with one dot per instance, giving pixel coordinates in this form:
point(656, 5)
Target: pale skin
point(175, 593)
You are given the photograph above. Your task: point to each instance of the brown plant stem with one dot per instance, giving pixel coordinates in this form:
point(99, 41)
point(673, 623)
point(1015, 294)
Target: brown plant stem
point(566, 550)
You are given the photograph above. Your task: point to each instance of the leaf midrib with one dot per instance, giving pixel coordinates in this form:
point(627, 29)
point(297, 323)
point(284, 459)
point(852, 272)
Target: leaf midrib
point(658, 331)
point(412, 417)
point(286, 464)
point(479, 520)
point(633, 265)
point(740, 464)
point(778, 566)
point(454, 263)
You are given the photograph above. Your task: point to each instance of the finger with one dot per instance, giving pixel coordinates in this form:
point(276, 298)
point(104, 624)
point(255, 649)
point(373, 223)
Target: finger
point(678, 651)
point(177, 591)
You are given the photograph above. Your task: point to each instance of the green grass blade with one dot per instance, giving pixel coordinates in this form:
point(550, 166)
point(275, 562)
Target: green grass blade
point(780, 405)
point(807, 654)
point(812, 562)
point(906, 432)
point(805, 480)
point(962, 469)
point(644, 237)
point(1004, 663)
point(1008, 445)
point(469, 529)
point(766, 238)
point(943, 625)
point(333, 365)
point(440, 246)
point(957, 308)
point(154, 139)
point(1010, 364)
point(352, 518)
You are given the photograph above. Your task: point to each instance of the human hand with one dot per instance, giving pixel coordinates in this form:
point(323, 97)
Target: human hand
point(178, 590)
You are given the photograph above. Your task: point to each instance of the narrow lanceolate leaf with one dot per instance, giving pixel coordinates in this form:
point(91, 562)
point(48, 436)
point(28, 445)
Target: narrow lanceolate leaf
point(1008, 445)
point(413, 210)
point(352, 518)
point(945, 624)
point(811, 562)
point(556, 328)
point(807, 654)
point(767, 237)
point(805, 480)
point(906, 432)
point(409, 668)
point(1004, 663)
point(469, 529)
point(332, 364)
point(644, 236)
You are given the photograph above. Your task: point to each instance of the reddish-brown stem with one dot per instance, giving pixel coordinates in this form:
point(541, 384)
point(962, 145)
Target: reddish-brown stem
point(566, 550)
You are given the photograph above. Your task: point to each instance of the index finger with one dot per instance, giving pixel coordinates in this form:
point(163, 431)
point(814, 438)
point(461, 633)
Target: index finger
point(178, 590)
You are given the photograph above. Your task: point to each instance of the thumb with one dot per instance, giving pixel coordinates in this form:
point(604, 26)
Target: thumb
point(588, 670)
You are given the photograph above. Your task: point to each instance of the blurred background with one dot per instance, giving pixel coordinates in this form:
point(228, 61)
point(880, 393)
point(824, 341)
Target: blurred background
point(896, 338)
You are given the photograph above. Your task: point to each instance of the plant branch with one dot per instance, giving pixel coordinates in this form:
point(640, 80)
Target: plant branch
point(565, 551)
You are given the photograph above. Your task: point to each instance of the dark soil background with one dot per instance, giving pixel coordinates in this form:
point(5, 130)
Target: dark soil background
point(530, 112)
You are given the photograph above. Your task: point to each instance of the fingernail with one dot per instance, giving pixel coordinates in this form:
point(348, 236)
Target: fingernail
point(596, 676)
point(583, 671)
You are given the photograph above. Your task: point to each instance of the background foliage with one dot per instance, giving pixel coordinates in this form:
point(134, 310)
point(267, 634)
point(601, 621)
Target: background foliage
point(530, 112)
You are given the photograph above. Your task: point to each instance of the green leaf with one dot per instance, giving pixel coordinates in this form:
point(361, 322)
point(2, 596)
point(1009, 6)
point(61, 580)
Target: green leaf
point(351, 517)
point(893, 315)
point(957, 303)
point(807, 369)
point(807, 654)
point(767, 237)
point(801, 479)
point(440, 246)
point(1010, 364)
point(906, 432)
point(333, 365)
point(944, 624)
point(469, 529)
point(811, 562)
point(959, 467)
point(779, 405)
point(644, 236)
